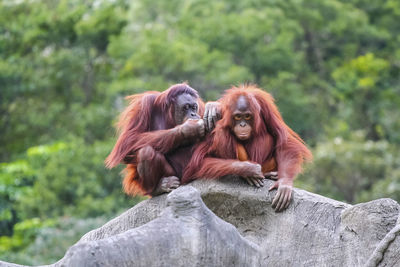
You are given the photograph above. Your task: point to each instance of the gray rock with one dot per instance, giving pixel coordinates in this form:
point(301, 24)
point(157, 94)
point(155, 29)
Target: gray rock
point(179, 230)
point(187, 233)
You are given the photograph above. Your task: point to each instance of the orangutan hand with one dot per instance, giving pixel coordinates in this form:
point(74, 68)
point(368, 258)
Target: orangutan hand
point(256, 181)
point(192, 129)
point(255, 176)
point(283, 195)
point(166, 185)
point(212, 114)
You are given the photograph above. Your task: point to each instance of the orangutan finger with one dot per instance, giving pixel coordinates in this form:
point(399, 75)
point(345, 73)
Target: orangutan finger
point(247, 180)
point(210, 122)
point(205, 119)
point(174, 185)
point(284, 202)
point(280, 202)
point(206, 111)
point(259, 175)
point(276, 199)
point(175, 181)
point(206, 123)
point(288, 201)
point(273, 177)
point(271, 188)
point(275, 185)
point(214, 116)
point(271, 174)
point(251, 181)
point(255, 181)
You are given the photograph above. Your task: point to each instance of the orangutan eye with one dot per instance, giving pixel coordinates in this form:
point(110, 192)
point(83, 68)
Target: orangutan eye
point(237, 117)
point(247, 117)
point(186, 107)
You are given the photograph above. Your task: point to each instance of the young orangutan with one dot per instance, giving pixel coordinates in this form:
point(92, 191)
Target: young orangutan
point(251, 140)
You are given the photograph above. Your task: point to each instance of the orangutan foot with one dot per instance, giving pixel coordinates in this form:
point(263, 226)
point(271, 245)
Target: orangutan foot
point(166, 185)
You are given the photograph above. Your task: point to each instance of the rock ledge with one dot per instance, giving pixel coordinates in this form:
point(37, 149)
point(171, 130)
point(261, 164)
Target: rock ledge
point(233, 224)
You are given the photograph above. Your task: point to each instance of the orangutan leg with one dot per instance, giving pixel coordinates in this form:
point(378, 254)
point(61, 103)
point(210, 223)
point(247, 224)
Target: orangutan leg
point(153, 169)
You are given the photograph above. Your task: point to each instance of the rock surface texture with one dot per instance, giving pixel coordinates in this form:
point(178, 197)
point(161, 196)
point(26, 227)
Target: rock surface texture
point(228, 223)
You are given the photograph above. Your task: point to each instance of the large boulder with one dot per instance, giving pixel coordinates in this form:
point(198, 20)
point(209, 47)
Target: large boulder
point(179, 230)
point(186, 233)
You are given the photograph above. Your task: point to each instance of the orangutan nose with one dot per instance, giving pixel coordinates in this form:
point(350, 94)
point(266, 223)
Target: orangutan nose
point(194, 115)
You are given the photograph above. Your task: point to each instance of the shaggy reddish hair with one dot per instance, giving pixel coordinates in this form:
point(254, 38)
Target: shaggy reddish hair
point(271, 137)
point(138, 127)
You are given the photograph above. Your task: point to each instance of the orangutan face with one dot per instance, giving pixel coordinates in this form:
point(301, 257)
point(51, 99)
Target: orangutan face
point(186, 107)
point(242, 119)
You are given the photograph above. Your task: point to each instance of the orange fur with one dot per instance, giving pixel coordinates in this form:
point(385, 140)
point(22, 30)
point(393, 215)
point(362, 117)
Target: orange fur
point(147, 121)
point(271, 139)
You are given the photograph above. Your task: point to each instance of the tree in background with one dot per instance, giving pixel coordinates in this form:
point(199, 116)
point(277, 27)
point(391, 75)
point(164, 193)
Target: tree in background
point(65, 66)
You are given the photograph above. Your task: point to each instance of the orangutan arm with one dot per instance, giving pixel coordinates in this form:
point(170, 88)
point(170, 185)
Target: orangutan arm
point(213, 168)
point(164, 141)
point(289, 158)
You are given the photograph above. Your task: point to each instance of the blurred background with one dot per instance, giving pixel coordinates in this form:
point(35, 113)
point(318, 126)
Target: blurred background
point(66, 66)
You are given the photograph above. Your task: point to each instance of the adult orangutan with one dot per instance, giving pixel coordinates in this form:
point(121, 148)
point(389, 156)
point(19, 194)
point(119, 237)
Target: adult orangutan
point(251, 140)
point(156, 134)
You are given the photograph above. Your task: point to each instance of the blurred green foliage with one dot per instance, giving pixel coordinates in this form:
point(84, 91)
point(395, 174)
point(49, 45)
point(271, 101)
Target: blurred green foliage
point(53, 240)
point(24, 234)
point(65, 66)
point(354, 169)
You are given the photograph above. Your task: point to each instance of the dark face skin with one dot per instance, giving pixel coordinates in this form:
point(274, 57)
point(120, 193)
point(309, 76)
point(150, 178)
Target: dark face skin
point(186, 107)
point(242, 119)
